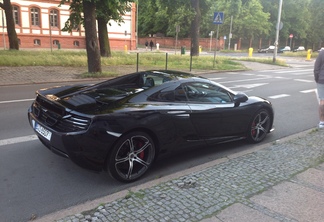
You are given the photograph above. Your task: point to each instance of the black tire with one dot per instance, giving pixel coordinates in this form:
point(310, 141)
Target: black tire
point(131, 157)
point(259, 126)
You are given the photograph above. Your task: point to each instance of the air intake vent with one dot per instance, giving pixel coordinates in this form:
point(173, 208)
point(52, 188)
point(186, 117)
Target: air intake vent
point(51, 115)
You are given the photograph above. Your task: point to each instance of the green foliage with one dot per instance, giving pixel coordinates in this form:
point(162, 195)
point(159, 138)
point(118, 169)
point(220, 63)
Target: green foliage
point(252, 19)
point(107, 9)
point(76, 18)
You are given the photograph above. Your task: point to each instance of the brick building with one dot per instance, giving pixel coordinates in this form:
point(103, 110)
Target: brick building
point(39, 24)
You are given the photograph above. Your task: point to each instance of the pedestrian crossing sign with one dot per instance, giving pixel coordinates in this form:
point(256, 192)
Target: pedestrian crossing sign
point(218, 18)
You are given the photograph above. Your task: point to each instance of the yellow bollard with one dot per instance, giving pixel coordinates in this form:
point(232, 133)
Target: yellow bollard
point(250, 52)
point(309, 54)
point(200, 49)
point(125, 48)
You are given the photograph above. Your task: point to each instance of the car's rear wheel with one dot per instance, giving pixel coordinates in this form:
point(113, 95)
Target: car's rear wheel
point(131, 157)
point(259, 126)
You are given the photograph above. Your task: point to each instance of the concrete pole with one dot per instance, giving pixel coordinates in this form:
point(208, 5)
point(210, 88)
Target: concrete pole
point(3, 33)
point(277, 32)
point(230, 34)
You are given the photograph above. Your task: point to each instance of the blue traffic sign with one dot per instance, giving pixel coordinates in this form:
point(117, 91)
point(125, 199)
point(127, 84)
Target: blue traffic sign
point(218, 18)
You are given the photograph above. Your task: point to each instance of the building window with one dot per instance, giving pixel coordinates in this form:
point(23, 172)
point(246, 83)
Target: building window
point(54, 18)
point(76, 43)
point(16, 13)
point(37, 42)
point(56, 42)
point(34, 16)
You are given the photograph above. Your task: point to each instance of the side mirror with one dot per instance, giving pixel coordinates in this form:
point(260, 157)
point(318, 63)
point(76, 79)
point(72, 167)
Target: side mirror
point(240, 98)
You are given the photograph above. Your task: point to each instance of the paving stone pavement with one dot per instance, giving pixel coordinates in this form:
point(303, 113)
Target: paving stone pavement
point(282, 181)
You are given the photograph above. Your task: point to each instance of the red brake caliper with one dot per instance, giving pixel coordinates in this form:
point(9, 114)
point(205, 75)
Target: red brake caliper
point(141, 154)
point(253, 129)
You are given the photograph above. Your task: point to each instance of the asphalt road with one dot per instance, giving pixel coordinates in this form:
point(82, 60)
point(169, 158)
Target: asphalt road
point(34, 181)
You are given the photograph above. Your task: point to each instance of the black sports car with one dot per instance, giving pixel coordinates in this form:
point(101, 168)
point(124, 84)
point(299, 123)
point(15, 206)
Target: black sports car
point(121, 125)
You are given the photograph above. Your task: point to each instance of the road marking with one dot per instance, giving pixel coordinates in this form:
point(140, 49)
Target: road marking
point(299, 74)
point(266, 76)
point(249, 86)
point(279, 77)
point(18, 140)
point(303, 80)
point(244, 80)
point(309, 91)
point(16, 101)
point(278, 96)
point(216, 78)
point(248, 74)
point(295, 70)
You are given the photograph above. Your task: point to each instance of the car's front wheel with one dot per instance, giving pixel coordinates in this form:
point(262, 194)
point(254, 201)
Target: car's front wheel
point(259, 126)
point(131, 157)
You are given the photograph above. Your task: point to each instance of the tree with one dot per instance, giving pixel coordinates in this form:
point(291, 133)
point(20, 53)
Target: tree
point(315, 29)
point(195, 28)
point(162, 16)
point(152, 18)
point(106, 11)
point(88, 8)
point(93, 55)
point(252, 21)
point(12, 35)
point(295, 17)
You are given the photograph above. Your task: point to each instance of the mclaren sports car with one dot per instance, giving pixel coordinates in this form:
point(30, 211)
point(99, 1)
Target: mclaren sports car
point(121, 125)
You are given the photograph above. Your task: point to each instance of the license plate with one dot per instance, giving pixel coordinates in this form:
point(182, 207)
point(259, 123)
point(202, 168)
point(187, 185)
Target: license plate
point(42, 131)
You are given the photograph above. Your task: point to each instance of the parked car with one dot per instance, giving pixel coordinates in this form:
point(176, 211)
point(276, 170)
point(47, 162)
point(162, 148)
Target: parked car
point(121, 125)
point(266, 49)
point(321, 49)
point(284, 49)
point(299, 48)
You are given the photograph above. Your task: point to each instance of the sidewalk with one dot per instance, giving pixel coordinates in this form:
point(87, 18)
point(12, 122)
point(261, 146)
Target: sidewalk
point(282, 181)
point(274, 182)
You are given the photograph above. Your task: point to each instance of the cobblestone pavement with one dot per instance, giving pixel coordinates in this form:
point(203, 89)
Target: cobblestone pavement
point(206, 194)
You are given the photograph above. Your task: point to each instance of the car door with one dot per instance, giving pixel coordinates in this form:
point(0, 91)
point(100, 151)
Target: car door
point(213, 112)
point(172, 104)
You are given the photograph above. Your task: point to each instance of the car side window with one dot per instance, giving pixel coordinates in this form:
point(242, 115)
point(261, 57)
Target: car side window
point(206, 93)
point(153, 79)
point(162, 96)
point(174, 95)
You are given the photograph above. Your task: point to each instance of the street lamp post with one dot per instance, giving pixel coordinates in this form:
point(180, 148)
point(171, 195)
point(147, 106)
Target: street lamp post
point(137, 24)
point(3, 33)
point(230, 34)
point(277, 32)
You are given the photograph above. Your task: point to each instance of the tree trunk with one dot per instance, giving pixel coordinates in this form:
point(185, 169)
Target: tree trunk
point(12, 35)
point(93, 55)
point(103, 38)
point(195, 27)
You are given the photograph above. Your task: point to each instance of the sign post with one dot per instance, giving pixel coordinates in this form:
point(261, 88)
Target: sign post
point(218, 20)
point(176, 43)
point(290, 37)
point(211, 38)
